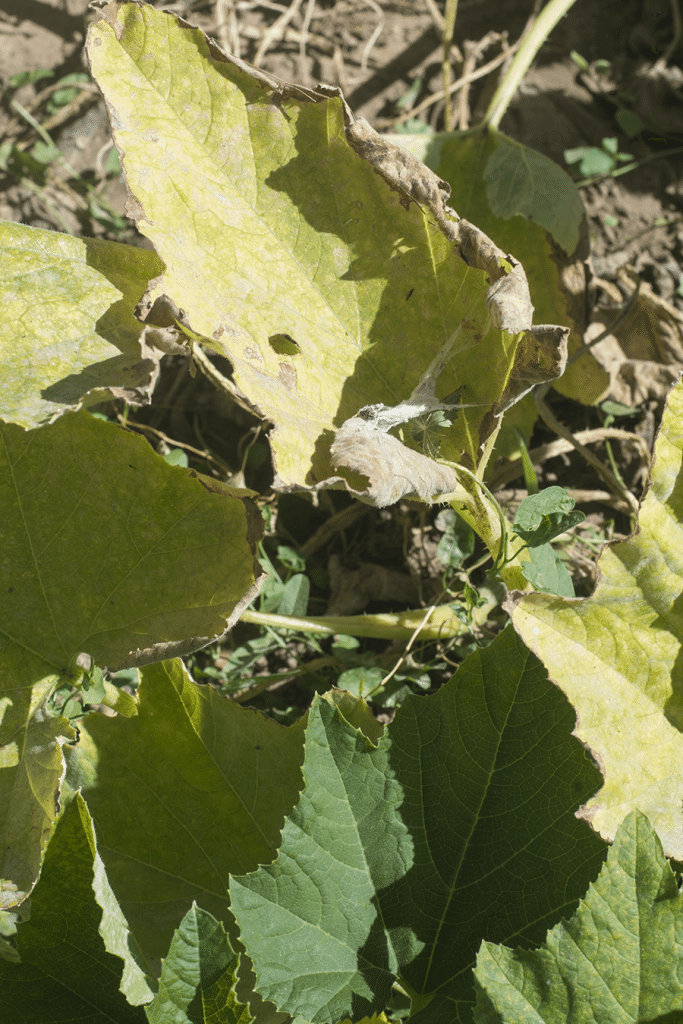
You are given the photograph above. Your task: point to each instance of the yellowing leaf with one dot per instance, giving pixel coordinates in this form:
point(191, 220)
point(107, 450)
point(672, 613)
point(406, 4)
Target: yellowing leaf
point(321, 261)
point(68, 335)
point(617, 654)
point(531, 208)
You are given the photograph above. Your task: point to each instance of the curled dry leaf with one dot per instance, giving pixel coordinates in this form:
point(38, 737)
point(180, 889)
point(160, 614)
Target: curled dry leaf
point(644, 356)
point(393, 470)
point(508, 301)
point(404, 172)
point(351, 590)
point(530, 206)
point(540, 356)
point(363, 443)
point(162, 320)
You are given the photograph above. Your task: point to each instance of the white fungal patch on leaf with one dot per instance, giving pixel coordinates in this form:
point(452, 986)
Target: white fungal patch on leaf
point(394, 471)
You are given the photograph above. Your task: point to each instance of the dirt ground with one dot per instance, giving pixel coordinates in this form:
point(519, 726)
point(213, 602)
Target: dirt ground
point(376, 50)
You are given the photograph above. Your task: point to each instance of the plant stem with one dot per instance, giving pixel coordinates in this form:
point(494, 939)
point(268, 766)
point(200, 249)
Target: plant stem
point(32, 187)
point(539, 32)
point(501, 555)
point(418, 629)
point(447, 39)
point(389, 626)
point(548, 417)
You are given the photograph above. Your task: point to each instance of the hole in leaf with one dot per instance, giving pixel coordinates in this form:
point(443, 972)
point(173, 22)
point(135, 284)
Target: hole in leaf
point(283, 345)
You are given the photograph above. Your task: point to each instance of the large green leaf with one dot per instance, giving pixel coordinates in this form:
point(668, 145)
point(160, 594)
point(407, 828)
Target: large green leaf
point(329, 272)
point(76, 945)
point(521, 182)
point(108, 550)
point(531, 208)
point(198, 976)
point(191, 789)
point(68, 335)
point(399, 857)
point(617, 654)
point(617, 960)
point(309, 921)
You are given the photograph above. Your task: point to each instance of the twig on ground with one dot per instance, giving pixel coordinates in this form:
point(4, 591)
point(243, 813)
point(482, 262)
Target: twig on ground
point(437, 111)
point(552, 449)
point(171, 442)
point(447, 39)
point(303, 63)
point(460, 117)
point(275, 32)
point(437, 16)
point(607, 475)
point(88, 93)
point(367, 50)
point(267, 4)
point(86, 98)
point(661, 64)
point(340, 70)
point(227, 27)
point(430, 611)
point(292, 35)
point(100, 162)
point(465, 80)
point(473, 51)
